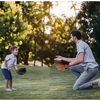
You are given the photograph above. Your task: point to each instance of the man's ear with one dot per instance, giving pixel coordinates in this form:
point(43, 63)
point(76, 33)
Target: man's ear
point(75, 37)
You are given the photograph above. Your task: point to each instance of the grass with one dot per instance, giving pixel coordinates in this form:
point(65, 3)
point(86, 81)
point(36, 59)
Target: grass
point(45, 83)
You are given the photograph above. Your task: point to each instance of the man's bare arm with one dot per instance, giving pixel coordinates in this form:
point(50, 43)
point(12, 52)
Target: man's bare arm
point(66, 59)
point(79, 59)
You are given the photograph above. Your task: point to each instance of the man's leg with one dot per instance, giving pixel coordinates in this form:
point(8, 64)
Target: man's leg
point(83, 82)
point(76, 70)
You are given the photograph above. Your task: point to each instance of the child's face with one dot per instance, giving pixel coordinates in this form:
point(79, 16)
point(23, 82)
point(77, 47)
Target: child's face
point(15, 51)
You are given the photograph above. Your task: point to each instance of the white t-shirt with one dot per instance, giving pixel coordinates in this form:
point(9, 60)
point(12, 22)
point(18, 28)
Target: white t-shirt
point(11, 60)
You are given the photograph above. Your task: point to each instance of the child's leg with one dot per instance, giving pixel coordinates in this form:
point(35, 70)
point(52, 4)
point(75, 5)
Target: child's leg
point(6, 83)
point(10, 83)
point(6, 75)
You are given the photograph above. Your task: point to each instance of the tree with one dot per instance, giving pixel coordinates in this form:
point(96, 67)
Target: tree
point(61, 32)
point(12, 27)
point(24, 24)
point(34, 13)
point(90, 21)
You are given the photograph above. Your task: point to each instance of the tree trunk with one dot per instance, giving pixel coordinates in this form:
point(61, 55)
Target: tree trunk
point(35, 52)
point(25, 58)
point(18, 59)
point(42, 57)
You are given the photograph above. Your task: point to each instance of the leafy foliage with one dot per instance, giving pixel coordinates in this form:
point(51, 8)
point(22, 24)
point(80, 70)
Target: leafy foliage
point(25, 25)
point(12, 27)
point(89, 18)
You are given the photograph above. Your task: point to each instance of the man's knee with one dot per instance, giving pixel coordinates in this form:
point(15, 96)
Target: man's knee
point(75, 87)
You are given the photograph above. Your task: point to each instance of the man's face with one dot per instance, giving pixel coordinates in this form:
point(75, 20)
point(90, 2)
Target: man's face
point(72, 38)
point(15, 51)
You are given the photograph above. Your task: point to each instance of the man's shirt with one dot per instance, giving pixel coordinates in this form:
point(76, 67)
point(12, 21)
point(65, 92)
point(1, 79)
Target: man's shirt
point(88, 55)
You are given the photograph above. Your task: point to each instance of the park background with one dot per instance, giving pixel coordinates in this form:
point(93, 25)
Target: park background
point(40, 35)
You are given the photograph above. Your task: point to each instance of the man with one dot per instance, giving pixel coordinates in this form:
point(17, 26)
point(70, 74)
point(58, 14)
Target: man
point(84, 66)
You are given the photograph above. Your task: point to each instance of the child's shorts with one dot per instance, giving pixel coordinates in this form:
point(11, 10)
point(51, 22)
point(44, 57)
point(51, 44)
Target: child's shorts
point(7, 74)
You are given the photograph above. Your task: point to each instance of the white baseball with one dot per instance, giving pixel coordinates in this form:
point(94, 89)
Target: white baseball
point(46, 41)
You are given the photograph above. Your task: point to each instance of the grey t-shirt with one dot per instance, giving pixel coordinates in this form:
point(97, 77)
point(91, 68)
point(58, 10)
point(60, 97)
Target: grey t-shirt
point(88, 56)
point(11, 60)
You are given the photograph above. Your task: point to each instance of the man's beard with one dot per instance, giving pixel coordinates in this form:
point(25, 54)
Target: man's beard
point(73, 42)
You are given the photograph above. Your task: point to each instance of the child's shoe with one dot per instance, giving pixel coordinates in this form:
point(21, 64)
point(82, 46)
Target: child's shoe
point(8, 89)
point(13, 89)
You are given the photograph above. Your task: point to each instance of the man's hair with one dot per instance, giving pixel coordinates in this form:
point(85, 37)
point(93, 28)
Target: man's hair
point(12, 48)
point(76, 33)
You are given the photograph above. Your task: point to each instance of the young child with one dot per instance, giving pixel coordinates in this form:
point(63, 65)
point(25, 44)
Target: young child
point(9, 61)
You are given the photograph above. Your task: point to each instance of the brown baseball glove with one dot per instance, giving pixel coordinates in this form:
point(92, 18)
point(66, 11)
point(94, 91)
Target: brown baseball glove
point(61, 65)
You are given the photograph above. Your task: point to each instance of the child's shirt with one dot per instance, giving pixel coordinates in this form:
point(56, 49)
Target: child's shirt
point(11, 60)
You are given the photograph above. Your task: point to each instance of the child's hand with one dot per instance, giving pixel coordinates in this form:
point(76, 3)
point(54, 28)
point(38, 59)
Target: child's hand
point(8, 69)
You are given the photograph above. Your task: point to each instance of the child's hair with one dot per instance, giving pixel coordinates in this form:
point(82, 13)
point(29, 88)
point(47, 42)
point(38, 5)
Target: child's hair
point(12, 48)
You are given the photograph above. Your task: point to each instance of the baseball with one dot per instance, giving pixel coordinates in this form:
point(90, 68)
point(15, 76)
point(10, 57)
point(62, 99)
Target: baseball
point(46, 41)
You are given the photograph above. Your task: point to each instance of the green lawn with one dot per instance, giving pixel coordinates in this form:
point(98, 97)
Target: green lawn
point(45, 83)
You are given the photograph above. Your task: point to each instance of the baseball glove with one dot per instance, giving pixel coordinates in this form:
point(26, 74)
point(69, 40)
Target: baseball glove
point(61, 65)
point(21, 71)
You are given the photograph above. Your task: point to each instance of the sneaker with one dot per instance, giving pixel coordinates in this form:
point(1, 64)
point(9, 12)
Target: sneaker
point(13, 89)
point(8, 89)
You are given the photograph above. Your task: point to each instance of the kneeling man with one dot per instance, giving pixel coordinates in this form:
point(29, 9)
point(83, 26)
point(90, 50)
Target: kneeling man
point(84, 67)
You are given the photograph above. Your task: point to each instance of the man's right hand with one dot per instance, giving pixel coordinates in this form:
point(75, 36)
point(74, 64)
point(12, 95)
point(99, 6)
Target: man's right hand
point(57, 59)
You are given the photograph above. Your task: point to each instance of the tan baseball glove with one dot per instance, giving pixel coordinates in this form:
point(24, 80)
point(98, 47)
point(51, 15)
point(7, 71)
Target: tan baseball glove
point(61, 65)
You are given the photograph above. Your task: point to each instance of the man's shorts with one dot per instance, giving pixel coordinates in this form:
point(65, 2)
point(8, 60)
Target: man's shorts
point(7, 74)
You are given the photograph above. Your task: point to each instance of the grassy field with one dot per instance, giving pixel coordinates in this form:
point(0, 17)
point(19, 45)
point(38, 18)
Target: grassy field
point(45, 83)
